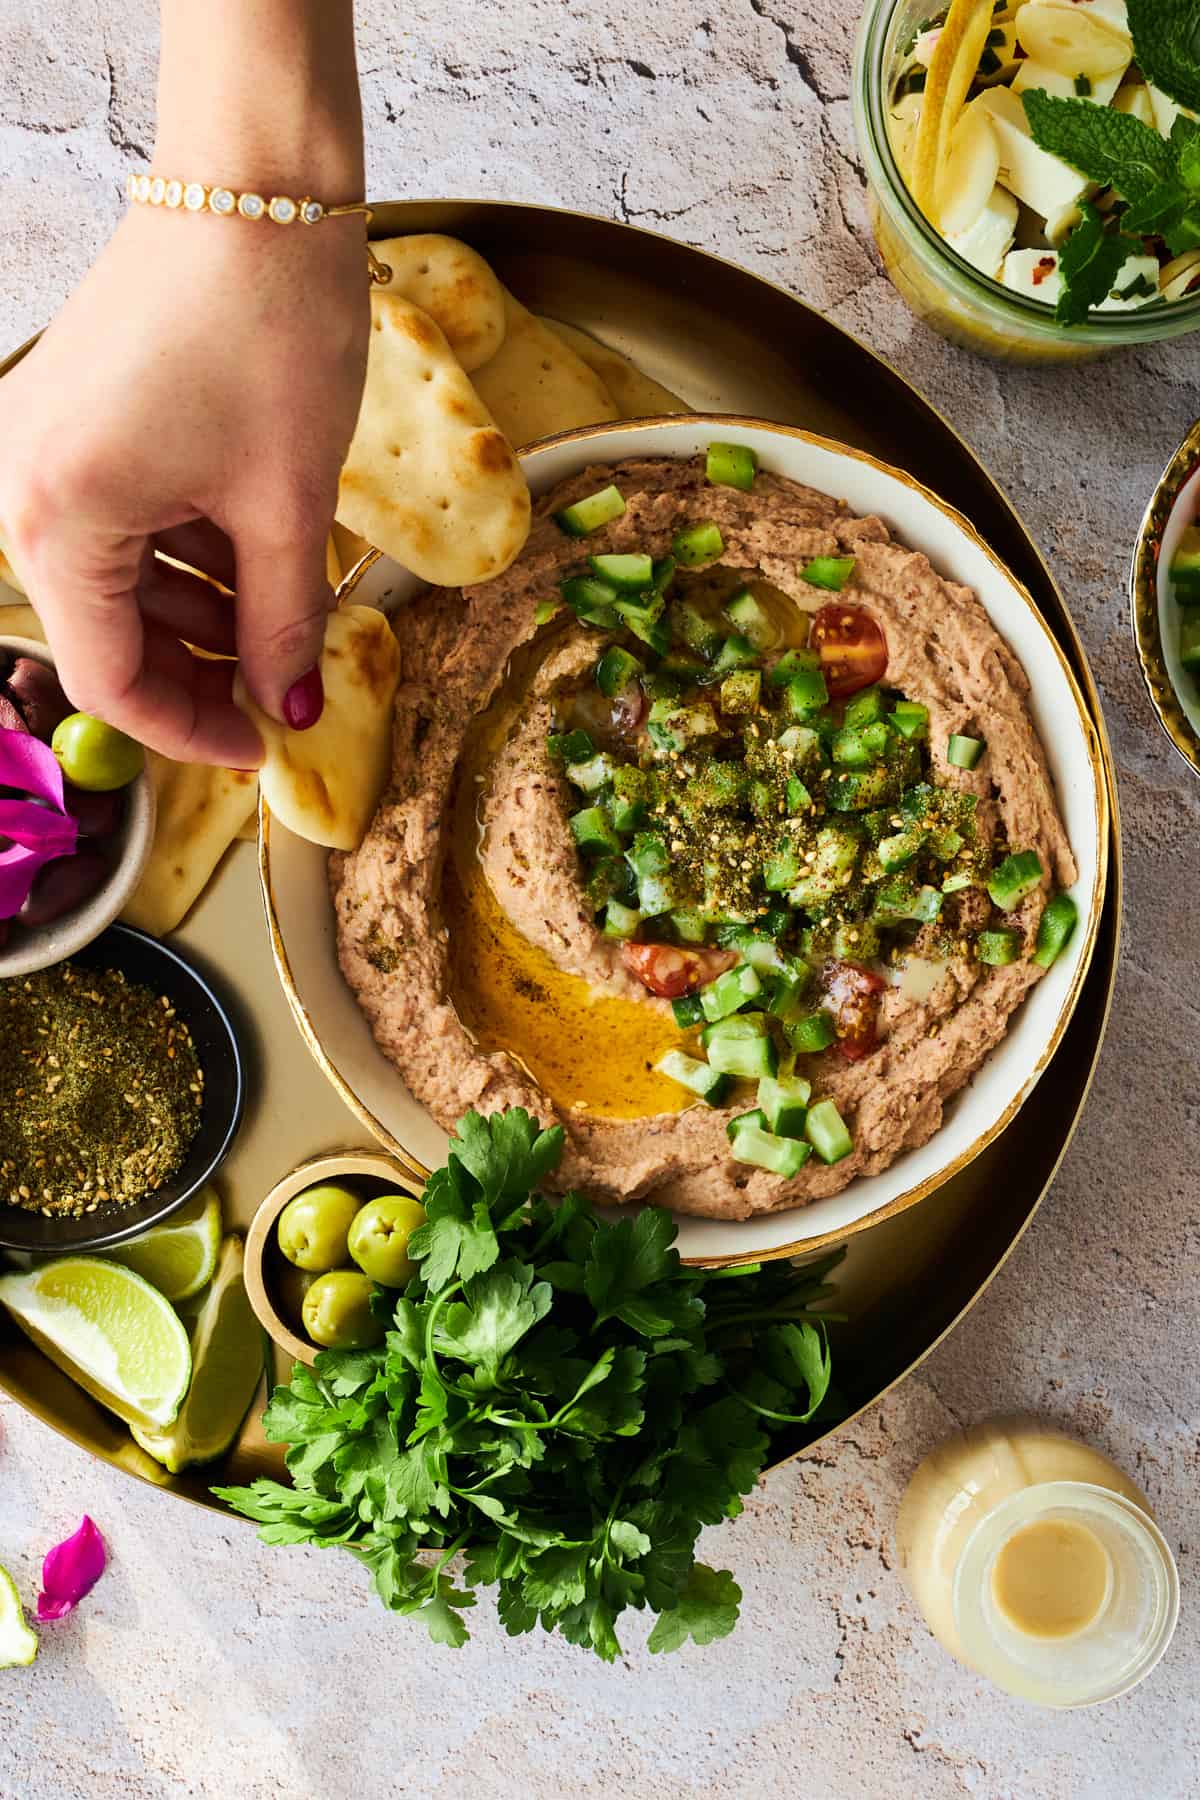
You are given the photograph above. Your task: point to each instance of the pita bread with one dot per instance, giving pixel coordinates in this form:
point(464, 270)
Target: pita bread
point(453, 284)
point(537, 385)
point(324, 784)
point(428, 477)
point(21, 621)
point(636, 395)
point(200, 812)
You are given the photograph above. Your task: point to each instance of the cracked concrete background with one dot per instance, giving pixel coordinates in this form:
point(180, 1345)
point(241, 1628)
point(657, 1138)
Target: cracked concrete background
point(209, 1666)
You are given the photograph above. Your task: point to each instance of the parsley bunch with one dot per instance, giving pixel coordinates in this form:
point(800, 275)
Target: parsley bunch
point(557, 1398)
point(1157, 178)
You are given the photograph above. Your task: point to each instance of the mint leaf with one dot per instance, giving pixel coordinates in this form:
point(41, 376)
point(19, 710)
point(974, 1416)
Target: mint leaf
point(706, 1609)
point(1166, 46)
point(1089, 263)
point(1111, 148)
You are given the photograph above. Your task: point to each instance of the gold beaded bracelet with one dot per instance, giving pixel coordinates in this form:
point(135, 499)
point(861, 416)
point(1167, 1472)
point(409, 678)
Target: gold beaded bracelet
point(224, 203)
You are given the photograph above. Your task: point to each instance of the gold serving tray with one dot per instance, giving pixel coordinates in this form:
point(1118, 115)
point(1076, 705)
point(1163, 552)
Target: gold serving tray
point(728, 342)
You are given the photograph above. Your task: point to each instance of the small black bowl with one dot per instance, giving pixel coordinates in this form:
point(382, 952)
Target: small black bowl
point(144, 960)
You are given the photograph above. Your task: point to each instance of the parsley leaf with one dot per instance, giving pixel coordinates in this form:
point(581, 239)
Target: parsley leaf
point(557, 1398)
point(1112, 148)
point(1166, 46)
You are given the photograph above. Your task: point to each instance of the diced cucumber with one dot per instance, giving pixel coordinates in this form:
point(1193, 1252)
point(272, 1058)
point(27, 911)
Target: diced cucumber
point(690, 926)
point(897, 851)
point(693, 629)
point(858, 939)
point(545, 610)
point(1189, 642)
point(783, 1101)
point(731, 465)
point(864, 709)
point(593, 602)
point(815, 1031)
point(877, 738)
point(626, 815)
point(615, 670)
point(645, 624)
point(774, 922)
point(858, 790)
point(780, 1156)
point(826, 1131)
point(609, 879)
point(910, 719)
point(791, 664)
point(1016, 877)
point(696, 1076)
point(851, 749)
point(747, 1121)
point(593, 832)
point(783, 868)
point(999, 947)
point(946, 845)
point(730, 992)
point(1055, 929)
point(805, 695)
point(698, 544)
point(954, 884)
point(741, 692)
point(737, 652)
point(630, 797)
point(656, 894)
point(687, 1011)
point(755, 948)
point(673, 725)
point(741, 1045)
point(648, 854)
point(836, 852)
point(628, 572)
point(570, 746)
point(964, 752)
point(751, 618)
point(620, 921)
point(585, 516)
point(903, 899)
point(798, 798)
point(800, 741)
point(589, 777)
point(831, 572)
point(719, 784)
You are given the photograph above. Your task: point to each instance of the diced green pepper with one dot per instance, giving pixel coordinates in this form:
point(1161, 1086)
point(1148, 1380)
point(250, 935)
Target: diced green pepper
point(815, 1031)
point(761, 1149)
point(751, 618)
point(615, 670)
point(698, 544)
point(570, 746)
point(791, 664)
point(630, 573)
point(593, 832)
point(693, 629)
point(1055, 930)
point(855, 940)
point(592, 601)
point(826, 1131)
point(964, 752)
point(798, 798)
point(1016, 877)
point(630, 797)
point(588, 515)
point(897, 851)
point(864, 709)
point(783, 868)
point(857, 790)
point(783, 1101)
point(719, 784)
point(736, 652)
point(731, 465)
point(545, 610)
point(910, 719)
point(805, 694)
point(999, 947)
point(696, 1076)
point(673, 725)
point(831, 572)
point(741, 692)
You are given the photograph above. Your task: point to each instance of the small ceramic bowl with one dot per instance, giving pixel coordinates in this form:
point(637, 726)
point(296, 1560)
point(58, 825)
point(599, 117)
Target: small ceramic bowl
point(1174, 694)
point(41, 945)
point(365, 1171)
point(144, 960)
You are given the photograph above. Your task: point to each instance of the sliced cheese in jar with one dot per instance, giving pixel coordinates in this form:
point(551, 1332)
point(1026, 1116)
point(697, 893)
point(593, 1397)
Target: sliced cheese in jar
point(1034, 273)
point(968, 174)
point(1166, 110)
point(1180, 277)
point(989, 239)
point(1044, 182)
point(1100, 89)
point(1133, 97)
point(903, 119)
point(1073, 38)
point(1136, 283)
point(1000, 59)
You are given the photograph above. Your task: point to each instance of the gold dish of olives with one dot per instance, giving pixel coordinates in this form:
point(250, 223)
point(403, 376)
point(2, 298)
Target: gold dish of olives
point(321, 1242)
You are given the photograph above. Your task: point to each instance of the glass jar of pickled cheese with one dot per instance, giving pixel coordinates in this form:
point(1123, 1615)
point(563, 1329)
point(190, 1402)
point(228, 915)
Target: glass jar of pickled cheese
point(1035, 1560)
point(939, 285)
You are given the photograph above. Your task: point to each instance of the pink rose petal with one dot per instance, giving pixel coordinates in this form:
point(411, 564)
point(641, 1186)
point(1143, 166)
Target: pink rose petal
point(38, 827)
point(37, 833)
point(18, 866)
point(25, 762)
point(70, 1571)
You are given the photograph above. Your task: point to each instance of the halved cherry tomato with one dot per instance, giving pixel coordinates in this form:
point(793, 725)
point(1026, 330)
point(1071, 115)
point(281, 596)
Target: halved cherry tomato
point(671, 972)
point(629, 709)
point(852, 648)
point(852, 992)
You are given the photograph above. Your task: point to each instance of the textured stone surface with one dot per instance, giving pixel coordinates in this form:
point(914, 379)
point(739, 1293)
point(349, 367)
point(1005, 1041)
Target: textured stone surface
point(206, 1665)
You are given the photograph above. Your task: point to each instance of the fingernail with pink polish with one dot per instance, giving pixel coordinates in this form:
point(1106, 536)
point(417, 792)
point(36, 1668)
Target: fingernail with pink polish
point(304, 701)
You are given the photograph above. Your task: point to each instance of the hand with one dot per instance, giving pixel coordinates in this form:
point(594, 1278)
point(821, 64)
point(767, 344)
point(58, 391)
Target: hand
point(197, 393)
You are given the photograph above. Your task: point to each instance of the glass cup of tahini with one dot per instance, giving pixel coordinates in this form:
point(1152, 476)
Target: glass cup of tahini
point(1036, 1561)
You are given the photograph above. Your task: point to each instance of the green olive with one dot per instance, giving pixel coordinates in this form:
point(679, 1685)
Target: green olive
point(313, 1227)
point(96, 756)
point(379, 1238)
point(291, 1285)
point(337, 1311)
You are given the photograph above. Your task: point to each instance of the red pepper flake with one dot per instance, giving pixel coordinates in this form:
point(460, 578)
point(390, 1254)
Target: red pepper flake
point(1046, 266)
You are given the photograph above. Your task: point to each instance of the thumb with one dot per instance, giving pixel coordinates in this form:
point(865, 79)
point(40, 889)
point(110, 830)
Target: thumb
point(283, 600)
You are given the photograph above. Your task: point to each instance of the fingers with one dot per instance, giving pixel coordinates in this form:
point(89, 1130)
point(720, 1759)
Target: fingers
point(283, 599)
point(193, 609)
point(201, 545)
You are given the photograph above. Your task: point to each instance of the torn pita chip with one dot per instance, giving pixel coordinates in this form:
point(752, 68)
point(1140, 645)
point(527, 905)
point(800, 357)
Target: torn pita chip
point(636, 396)
point(537, 386)
point(200, 811)
point(429, 478)
point(324, 784)
point(453, 284)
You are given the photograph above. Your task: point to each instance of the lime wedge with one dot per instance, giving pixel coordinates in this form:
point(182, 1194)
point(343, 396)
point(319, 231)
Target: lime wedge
point(18, 1645)
point(107, 1329)
point(227, 1365)
point(178, 1258)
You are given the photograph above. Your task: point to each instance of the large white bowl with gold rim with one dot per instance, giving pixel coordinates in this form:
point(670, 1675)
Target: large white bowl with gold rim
point(301, 917)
